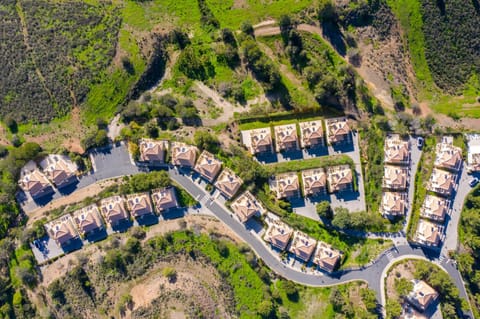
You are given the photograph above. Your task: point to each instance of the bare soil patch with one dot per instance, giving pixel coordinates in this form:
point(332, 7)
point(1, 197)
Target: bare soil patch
point(403, 270)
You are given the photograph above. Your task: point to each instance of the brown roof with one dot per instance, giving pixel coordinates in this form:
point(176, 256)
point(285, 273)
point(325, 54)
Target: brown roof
point(287, 185)
point(422, 294)
point(338, 177)
point(395, 177)
point(314, 181)
point(326, 257)
point(246, 206)
point(393, 203)
point(228, 183)
point(448, 156)
point(208, 166)
point(259, 139)
point(139, 204)
point(285, 136)
point(164, 198)
point(441, 182)
point(337, 129)
point(311, 133)
point(428, 233)
point(434, 207)
point(59, 169)
point(183, 154)
point(278, 234)
point(34, 182)
point(113, 209)
point(87, 219)
point(396, 150)
point(302, 246)
point(62, 229)
point(151, 150)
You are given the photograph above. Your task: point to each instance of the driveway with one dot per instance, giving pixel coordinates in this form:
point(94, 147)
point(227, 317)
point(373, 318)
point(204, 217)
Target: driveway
point(415, 155)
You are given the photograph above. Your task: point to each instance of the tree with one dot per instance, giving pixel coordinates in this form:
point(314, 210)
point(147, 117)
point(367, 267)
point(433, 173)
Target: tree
point(265, 308)
point(324, 210)
point(11, 124)
point(285, 23)
point(291, 290)
point(342, 218)
point(369, 299)
point(337, 300)
point(247, 28)
point(394, 309)
point(151, 129)
point(206, 141)
point(326, 11)
point(170, 273)
point(403, 286)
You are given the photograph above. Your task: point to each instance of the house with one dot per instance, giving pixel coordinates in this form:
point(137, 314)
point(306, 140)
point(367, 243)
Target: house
point(59, 169)
point(397, 150)
point(473, 152)
point(441, 182)
point(62, 230)
point(88, 220)
point(408, 312)
point(183, 154)
point(208, 166)
point(152, 151)
point(311, 134)
point(287, 185)
point(286, 137)
point(302, 246)
point(228, 183)
point(278, 234)
point(246, 206)
point(428, 234)
point(338, 131)
point(164, 199)
point(393, 204)
point(395, 177)
point(326, 257)
point(339, 178)
point(34, 182)
point(435, 208)
point(422, 295)
point(139, 204)
point(448, 157)
point(261, 141)
point(113, 210)
point(314, 182)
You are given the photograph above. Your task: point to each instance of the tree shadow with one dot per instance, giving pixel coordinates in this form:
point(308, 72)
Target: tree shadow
point(332, 32)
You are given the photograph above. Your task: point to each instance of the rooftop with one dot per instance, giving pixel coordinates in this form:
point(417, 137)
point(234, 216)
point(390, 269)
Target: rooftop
point(428, 233)
point(434, 208)
point(62, 230)
point(302, 246)
point(246, 206)
point(260, 140)
point(228, 183)
point(287, 185)
point(395, 177)
point(59, 169)
point(208, 166)
point(441, 182)
point(164, 198)
point(87, 219)
point(326, 257)
point(278, 234)
point(139, 204)
point(337, 130)
point(422, 294)
point(473, 152)
point(34, 182)
point(183, 154)
point(314, 181)
point(286, 137)
point(393, 204)
point(311, 133)
point(113, 209)
point(339, 177)
point(448, 156)
point(397, 150)
point(152, 150)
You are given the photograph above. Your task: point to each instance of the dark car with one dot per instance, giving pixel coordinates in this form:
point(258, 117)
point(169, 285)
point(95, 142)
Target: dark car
point(473, 182)
point(420, 142)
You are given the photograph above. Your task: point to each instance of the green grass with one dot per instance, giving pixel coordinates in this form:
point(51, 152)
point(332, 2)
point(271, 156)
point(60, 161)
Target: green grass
point(184, 198)
point(303, 164)
point(274, 120)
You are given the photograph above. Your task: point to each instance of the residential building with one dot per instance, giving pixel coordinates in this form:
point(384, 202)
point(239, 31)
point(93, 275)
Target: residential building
point(113, 210)
point(422, 295)
point(278, 234)
point(302, 246)
point(441, 182)
point(88, 220)
point(314, 182)
point(164, 199)
point(287, 185)
point(62, 230)
point(428, 233)
point(393, 204)
point(152, 151)
point(228, 183)
point(183, 154)
point(246, 206)
point(208, 166)
point(473, 152)
point(34, 182)
point(409, 312)
point(326, 257)
point(435, 208)
point(261, 141)
point(395, 177)
point(59, 169)
point(286, 137)
point(139, 204)
point(338, 131)
point(448, 157)
point(311, 134)
point(397, 150)
point(339, 178)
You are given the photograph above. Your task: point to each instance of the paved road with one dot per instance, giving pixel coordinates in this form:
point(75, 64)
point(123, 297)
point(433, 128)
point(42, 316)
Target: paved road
point(415, 155)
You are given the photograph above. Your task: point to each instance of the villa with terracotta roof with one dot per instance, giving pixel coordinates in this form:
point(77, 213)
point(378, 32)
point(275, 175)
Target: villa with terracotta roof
point(448, 157)
point(34, 182)
point(139, 204)
point(278, 234)
point(59, 169)
point(228, 183)
point(164, 199)
point(88, 220)
point(261, 141)
point(435, 208)
point(395, 177)
point(473, 152)
point(287, 185)
point(113, 210)
point(326, 257)
point(62, 230)
point(339, 178)
point(422, 295)
point(428, 234)
point(208, 166)
point(286, 137)
point(152, 151)
point(302, 246)
point(393, 204)
point(441, 182)
point(338, 131)
point(311, 134)
point(246, 206)
point(314, 182)
point(183, 154)
point(397, 150)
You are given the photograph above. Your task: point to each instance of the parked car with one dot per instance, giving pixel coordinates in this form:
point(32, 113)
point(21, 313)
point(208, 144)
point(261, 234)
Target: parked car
point(420, 142)
point(474, 182)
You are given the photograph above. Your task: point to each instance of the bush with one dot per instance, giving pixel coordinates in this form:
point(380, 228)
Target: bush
point(324, 210)
point(204, 140)
point(170, 273)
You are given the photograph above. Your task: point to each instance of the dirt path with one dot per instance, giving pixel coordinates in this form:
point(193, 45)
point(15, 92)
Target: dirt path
point(115, 127)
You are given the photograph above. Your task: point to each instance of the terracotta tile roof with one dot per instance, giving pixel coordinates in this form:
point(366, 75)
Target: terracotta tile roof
point(428, 233)
point(62, 230)
point(246, 206)
point(422, 294)
point(87, 219)
point(302, 246)
point(228, 183)
point(314, 181)
point(339, 177)
point(287, 185)
point(434, 208)
point(448, 156)
point(260, 140)
point(59, 169)
point(113, 209)
point(395, 177)
point(441, 182)
point(208, 166)
point(397, 151)
point(183, 154)
point(311, 133)
point(326, 257)
point(286, 137)
point(152, 151)
point(278, 234)
point(139, 204)
point(35, 183)
point(393, 204)
point(337, 130)
point(164, 198)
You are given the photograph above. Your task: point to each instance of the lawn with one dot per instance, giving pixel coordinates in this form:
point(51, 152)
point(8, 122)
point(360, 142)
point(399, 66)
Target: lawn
point(303, 164)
